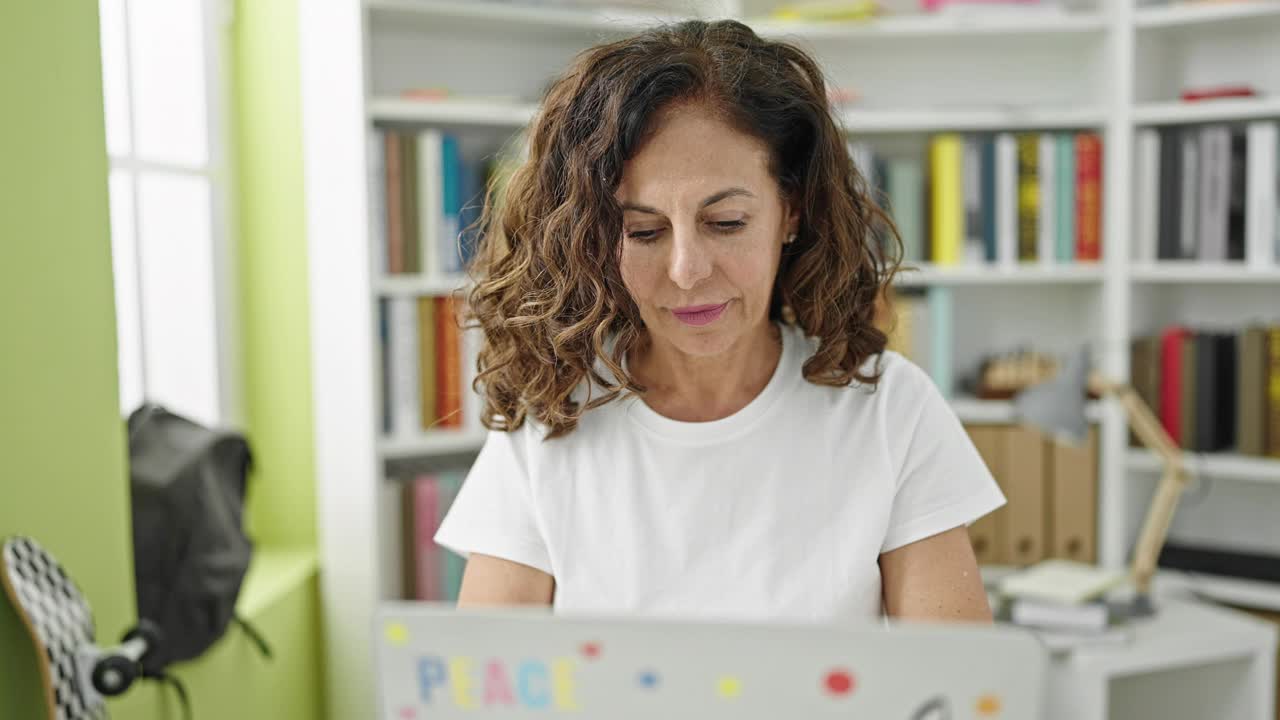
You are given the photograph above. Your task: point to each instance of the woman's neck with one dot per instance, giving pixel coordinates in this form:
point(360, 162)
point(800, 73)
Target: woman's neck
point(705, 388)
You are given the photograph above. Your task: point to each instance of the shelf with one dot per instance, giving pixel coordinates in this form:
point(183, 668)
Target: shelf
point(483, 112)
point(975, 24)
point(1182, 113)
point(994, 275)
point(431, 443)
point(522, 18)
point(1226, 466)
point(859, 120)
point(1000, 412)
point(419, 285)
point(1181, 15)
point(1193, 272)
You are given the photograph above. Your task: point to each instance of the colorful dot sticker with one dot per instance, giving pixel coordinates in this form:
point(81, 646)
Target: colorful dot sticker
point(648, 679)
point(839, 682)
point(591, 650)
point(988, 705)
point(729, 687)
point(396, 633)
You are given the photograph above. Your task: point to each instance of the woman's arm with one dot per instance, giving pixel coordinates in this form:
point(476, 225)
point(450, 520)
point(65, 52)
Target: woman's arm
point(490, 581)
point(935, 579)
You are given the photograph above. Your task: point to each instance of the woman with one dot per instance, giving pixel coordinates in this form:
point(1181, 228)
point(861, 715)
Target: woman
point(692, 412)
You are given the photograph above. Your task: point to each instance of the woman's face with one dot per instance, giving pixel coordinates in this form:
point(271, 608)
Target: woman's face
point(702, 231)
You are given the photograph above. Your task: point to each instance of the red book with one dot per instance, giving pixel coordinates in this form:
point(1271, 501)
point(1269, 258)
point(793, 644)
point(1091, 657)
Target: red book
point(448, 365)
point(395, 207)
point(1088, 197)
point(1215, 93)
point(1171, 381)
point(426, 514)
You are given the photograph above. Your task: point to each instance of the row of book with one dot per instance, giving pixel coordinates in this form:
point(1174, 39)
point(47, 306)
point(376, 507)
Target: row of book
point(1209, 193)
point(425, 195)
point(1213, 391)
point(1052, 493)
point(1003, 198)
point(418, 505)
point(425, 361)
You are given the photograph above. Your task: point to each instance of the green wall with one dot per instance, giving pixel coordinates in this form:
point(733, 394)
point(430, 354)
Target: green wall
point(63, 473)
point(62, 451)
point(273, 274)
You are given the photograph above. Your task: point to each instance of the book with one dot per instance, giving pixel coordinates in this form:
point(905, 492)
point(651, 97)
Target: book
point(472, 402)
point(1028, 196)
point(1006, 198)
point(1190, 226)
point(452, 565)
point(1089, 197)
point(392, 157)
point(1215, 168)
point(1263, 187)
point(448, 365)
point(945, 160)
point(403, 351)
point(1061, 581)
point(941, 339)
point(1171, 341)
point(906, 197)
point(1147, 209)
point(430, 199)
point(411, 180)
point(450, 257)
point(428, 349)
point(1273, 391)
point(1089, 617)
point(1187, 387)
point(987, 177)
point(384, 366)
point(376, 150)
point(1211, 409)
point(1065, 202)
point(1237, 192)
point(1144, 372)
point(1170, 205)
point(1251, 397)
point(428, 574)
point(971, 188)
point(1047, 222)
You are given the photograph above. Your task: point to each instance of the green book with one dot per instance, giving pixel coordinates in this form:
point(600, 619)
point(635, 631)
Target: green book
point(453, 564)
point(1065, 207)
point(906, 203)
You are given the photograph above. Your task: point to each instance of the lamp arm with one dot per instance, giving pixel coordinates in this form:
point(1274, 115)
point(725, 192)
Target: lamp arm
point(1155, 528)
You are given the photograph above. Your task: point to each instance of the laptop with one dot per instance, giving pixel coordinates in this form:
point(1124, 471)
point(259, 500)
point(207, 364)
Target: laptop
point(438, 663)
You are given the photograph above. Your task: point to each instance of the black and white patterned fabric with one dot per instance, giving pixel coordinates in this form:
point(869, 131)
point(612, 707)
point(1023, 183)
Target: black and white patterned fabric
point(62, 622)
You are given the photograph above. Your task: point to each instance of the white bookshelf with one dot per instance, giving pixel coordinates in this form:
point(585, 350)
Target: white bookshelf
point(1111, 67)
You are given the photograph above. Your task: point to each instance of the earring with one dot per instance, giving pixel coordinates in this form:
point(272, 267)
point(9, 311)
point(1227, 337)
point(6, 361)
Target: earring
point(790, 239)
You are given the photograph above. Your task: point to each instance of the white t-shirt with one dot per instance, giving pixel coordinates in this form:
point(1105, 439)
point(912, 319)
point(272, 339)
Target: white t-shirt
point(778, 512)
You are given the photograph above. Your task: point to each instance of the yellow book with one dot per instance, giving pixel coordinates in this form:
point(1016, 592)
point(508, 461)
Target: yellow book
point(945, 153)
point(427, 359)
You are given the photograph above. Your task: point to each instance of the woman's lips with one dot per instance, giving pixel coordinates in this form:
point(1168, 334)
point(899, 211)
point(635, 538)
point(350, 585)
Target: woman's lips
point(699, 315)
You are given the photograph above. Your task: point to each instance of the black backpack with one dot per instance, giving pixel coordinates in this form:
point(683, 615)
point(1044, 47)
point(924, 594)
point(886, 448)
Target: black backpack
point(190, 550)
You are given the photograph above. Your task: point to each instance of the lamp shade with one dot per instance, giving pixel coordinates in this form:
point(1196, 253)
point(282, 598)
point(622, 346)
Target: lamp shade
point(1057, 407)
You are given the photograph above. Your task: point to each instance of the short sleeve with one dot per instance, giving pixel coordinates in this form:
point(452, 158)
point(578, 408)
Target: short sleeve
point(494, 513)
point(943, 482)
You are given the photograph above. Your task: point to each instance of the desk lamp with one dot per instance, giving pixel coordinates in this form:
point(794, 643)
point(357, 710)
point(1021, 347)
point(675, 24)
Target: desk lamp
point(1057, 408)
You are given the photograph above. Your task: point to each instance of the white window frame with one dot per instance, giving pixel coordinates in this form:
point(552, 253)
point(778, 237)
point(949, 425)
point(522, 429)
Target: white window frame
point(217, 19)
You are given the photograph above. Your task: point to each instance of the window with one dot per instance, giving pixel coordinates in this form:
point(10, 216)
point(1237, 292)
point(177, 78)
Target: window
point(163, 100)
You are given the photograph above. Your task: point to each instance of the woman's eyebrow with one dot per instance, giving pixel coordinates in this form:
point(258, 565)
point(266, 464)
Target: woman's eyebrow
point(711, 199)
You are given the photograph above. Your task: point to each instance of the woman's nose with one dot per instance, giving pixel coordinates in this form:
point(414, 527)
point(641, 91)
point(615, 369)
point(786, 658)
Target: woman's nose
point(690, 261)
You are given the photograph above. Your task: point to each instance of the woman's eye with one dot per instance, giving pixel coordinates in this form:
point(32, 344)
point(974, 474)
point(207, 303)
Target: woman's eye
point(642, 235)
point(729, 225)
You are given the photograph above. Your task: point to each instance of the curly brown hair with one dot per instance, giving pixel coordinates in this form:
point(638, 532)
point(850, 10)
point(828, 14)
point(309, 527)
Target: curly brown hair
point(548, 293)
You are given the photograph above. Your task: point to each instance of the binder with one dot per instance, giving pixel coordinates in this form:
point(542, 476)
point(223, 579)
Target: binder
point(1073, 500)
point(987, 533)
point(1024, 487)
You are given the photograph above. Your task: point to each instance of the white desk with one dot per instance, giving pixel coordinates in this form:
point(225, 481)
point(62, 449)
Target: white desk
point(1191, 661)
